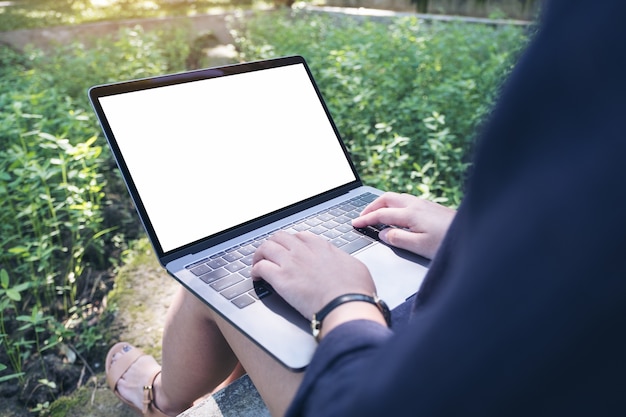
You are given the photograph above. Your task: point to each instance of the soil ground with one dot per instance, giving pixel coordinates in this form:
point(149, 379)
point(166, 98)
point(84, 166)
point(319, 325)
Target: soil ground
point(141, 297)
point(139, 301)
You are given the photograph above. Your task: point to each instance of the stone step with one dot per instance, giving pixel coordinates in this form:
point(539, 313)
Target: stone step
point(239, 399)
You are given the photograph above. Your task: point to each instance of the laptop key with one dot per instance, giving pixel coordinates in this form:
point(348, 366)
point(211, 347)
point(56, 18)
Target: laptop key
point(369, 197)
point(356, 245)
point(247, 260)
point(232, 256)
point(348, 207)
point(214, 275)
point(331, 224)
point(313, 222)
point(246, 272)
point(247, 250)
point(224, 283)
point(235, 266)
point(257, 243)
point(339, 242)
point(332, 234)
point(350, 236)
point(372, 231)
point(325, 217)
point(200, 270)
point(318, 230)
point(343, 219)
point(344, 228)
point(237, 289)
point(261, 289)
point(217, 263)
point(243, 301)
point(300, 227)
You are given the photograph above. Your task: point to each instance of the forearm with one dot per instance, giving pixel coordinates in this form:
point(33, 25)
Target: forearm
point(348, 312)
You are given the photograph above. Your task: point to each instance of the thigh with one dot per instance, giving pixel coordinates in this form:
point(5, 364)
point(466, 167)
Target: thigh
point(276, 384)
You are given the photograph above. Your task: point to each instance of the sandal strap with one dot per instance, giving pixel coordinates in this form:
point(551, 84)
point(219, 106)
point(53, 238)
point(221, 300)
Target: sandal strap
point(148, 398)
point(115, 371)
point(149, 407)
point(123, 363)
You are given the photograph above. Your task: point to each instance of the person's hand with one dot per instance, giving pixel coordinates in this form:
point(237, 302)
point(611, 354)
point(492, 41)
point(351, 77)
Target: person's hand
point(308, 271)
point(420, 224)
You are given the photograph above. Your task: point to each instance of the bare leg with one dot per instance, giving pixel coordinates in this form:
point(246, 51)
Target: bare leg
point(275, 383)
point(197, 359)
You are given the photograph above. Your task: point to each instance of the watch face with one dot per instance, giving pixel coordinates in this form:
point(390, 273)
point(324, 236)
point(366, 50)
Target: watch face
point(316, 327)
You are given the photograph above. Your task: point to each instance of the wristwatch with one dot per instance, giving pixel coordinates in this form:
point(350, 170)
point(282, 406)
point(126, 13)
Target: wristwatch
point(318, 318)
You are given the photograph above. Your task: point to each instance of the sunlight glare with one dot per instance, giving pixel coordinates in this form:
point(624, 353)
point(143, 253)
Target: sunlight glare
point(102, 3)
point(6, 3)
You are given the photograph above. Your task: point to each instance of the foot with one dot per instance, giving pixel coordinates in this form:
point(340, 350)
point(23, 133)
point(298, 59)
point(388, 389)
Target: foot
point(139, 384)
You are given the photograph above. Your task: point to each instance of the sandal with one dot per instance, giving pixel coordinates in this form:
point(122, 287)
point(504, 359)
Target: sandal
point(115, 371)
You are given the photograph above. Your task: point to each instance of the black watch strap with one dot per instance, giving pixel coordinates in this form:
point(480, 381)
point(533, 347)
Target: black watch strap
point(318, 318)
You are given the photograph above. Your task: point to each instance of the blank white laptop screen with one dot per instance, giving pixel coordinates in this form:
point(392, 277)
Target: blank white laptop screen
point(209, 155)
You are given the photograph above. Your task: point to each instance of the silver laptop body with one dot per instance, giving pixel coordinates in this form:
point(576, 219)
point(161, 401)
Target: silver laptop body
point(218, 159)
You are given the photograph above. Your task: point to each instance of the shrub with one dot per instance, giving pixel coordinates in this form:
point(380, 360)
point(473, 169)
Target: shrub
point(56, 240)
point(407, 96)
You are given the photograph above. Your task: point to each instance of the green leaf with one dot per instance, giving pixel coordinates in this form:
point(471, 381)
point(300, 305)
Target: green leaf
point(4, 278)
point(13, 294)
point(18, 250)
point(10, 377)
point(21, 287)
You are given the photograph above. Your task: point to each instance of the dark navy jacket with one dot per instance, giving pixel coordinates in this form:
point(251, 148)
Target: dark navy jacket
point(524, 309)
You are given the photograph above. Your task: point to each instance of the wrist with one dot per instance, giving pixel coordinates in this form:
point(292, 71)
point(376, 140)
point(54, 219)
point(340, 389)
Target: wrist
point(346, 308)
point(350, 312)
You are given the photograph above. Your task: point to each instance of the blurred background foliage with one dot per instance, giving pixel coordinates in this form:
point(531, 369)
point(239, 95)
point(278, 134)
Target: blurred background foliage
point(408, 97)
point(29, 14)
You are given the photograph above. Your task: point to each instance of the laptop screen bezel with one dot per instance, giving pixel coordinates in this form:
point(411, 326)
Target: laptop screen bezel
point(100, 91)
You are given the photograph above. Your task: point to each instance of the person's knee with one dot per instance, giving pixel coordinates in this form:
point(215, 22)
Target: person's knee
point(192, 303)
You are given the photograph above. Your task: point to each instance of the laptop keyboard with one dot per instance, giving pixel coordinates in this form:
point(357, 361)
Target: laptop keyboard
point(228, 272)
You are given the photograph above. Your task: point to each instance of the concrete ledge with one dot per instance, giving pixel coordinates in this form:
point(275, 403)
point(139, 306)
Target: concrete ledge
point(87, 33)
point(216, 23)
point(382, 14)
point(239, 399)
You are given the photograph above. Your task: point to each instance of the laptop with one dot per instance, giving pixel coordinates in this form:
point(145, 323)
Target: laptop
point(216, 160)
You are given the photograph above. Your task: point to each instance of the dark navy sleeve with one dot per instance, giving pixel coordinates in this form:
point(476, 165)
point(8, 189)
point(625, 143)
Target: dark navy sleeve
point(339, 356)
point(523, 312)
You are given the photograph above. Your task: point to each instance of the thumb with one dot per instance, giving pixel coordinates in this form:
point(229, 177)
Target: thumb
point(404, 239)
point(397, 237)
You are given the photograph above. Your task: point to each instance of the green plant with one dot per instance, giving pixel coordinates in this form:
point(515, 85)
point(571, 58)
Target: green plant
point(408, 97)
point(10, 295)
point(90, 337)
point(54, 171)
